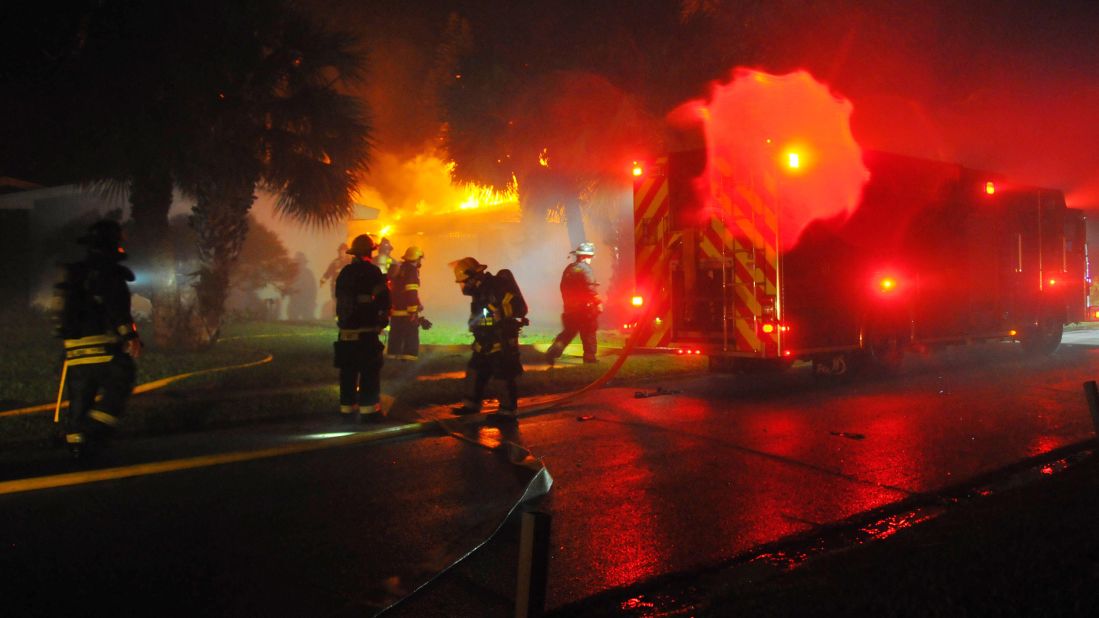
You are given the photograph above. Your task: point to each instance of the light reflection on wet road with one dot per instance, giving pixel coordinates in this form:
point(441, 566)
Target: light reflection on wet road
point(664, 484)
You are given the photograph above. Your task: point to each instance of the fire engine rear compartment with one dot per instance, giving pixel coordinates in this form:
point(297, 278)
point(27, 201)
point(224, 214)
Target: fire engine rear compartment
point(934, 253)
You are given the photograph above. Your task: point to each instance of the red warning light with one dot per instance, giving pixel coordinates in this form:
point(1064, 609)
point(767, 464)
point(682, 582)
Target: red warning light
point(637, 169)
point(990, 188)
point(1053, 282)
point(768, 328)
point(887, 284)
point(637, 301)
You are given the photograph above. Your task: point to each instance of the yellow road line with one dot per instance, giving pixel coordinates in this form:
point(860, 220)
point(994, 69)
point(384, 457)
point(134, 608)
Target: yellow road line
point(142, 388)
point(204, 461)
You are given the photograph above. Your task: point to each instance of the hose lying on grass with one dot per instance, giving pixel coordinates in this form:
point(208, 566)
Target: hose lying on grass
point(141, 388)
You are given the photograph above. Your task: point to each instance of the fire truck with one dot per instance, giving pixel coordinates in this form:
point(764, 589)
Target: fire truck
point(933, 254)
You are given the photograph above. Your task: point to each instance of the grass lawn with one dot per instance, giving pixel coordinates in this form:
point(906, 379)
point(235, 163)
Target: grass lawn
point(300, 381)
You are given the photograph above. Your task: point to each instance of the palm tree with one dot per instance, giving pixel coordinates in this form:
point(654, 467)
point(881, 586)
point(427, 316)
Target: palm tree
point(216, 99)
point(278, 122)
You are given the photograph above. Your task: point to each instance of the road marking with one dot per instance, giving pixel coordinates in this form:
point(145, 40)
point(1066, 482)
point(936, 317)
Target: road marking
point(204, 461)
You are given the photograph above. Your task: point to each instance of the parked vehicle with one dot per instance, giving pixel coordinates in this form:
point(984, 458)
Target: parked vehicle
point(933, 254)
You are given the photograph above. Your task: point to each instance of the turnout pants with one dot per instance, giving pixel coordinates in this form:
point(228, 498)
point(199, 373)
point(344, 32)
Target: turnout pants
point(113, 382)
point(360, 364)
point(404, 337)
point(493, 360)
point(583, 322)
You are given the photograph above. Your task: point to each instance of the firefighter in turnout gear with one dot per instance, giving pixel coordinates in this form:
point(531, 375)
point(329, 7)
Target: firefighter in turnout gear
point(497, 313)
point(362, 311)
point(581, 305)
point(101, 340)
point(329, 276)
point(384, 260)
point(405, 318)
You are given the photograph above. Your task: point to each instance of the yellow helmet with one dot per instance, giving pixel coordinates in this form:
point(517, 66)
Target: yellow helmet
point(466, 267)
point(412, 254)
point(362, 245)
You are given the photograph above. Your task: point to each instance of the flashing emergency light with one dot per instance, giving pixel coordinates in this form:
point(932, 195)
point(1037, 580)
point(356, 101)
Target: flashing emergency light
point(887, 284)
point(1053, 282)
point(793, 160)
point(768, 328)
point(990, 188)
point(1012, 332)
point(637, 301)
point(637, 170)
point(1095, 315)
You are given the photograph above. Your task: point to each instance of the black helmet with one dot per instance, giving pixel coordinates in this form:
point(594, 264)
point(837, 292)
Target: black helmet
point(362, 245)
point(104, 235)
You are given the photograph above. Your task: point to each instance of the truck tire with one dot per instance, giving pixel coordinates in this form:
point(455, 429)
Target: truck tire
point(886, 354)
point(839, 366)
point(1043, 337)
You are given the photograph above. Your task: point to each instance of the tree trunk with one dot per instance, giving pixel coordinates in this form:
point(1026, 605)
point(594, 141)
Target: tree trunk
point(220, 219)
point(150, 201)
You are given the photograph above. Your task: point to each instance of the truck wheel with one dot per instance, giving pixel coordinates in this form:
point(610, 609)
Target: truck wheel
point(837, 366)
point(1042, 338)
point(887, 354)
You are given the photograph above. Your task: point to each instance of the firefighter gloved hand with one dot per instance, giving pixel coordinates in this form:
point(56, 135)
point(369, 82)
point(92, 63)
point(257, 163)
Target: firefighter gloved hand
point(425, 324)
point(134, 347)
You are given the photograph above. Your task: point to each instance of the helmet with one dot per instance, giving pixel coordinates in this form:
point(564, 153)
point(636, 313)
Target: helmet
point(385, 246)
point(362, 245)
point(412, 254)
point(584, 249)
point(103, 235)
point(466, 267)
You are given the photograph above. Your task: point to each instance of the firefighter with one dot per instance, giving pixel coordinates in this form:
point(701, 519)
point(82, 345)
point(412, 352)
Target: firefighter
point(406, 317)
point(362, 311)
point(101, 339)
point(384, 260)
point(497, 313)
point(329, 275)
point(581, 305)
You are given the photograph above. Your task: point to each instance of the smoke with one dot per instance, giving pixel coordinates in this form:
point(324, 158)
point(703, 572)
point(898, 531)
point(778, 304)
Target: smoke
point(1006, 86)
point(784, 137)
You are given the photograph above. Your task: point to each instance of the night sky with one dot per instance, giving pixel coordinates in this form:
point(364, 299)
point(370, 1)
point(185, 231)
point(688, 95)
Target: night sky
point(1008, 86)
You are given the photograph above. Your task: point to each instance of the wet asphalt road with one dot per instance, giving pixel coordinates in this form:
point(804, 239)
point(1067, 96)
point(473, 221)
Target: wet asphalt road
point(642, 487)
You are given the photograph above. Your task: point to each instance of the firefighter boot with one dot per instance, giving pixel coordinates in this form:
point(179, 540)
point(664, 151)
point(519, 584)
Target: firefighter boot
point(467, 408)
point(375, 414)
point(349, 414)
point(554, 351)
point(77, 444)
point(503, 416)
